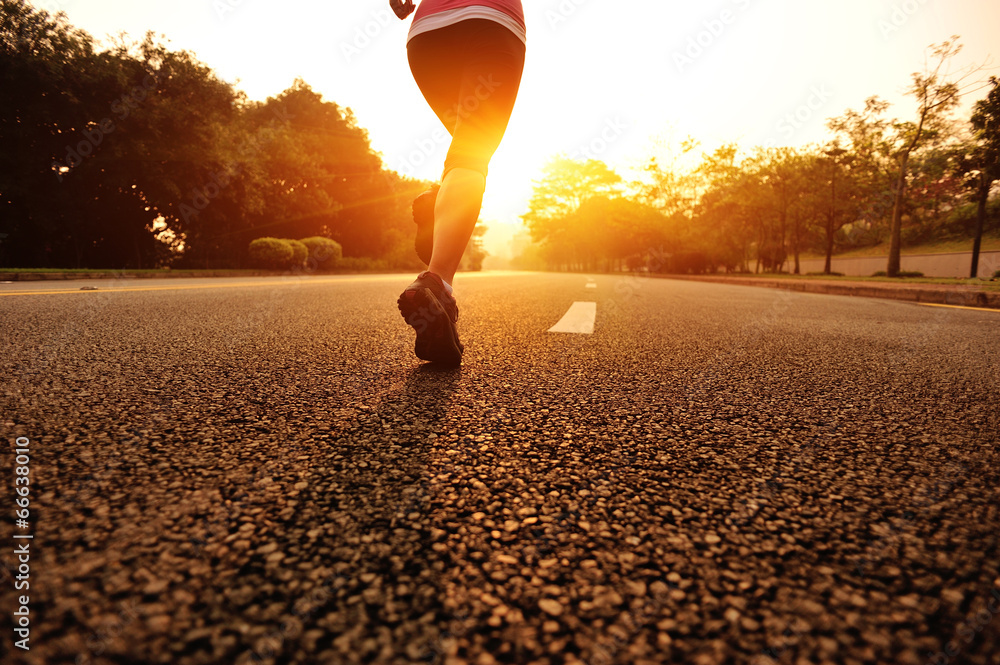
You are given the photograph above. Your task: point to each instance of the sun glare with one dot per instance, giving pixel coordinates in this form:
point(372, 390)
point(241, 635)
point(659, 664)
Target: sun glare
point(601, 80)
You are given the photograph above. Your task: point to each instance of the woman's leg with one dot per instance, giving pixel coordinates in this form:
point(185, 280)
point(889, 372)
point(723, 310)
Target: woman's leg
point(470, 74)
point(456, 212)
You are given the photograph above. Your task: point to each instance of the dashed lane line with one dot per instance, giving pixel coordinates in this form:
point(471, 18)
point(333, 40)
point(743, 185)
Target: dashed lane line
point(579, 320)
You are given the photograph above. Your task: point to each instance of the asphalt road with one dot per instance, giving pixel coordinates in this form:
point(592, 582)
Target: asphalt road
point(242, 471)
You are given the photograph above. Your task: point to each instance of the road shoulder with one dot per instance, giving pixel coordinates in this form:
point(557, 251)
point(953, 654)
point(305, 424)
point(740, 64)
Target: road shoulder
point(956, 295)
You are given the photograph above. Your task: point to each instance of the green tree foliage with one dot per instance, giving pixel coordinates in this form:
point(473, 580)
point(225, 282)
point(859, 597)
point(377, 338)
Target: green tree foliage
point(865, 136)
point(759, 211)
point(936, 97)
point(138, 156)
point(986, 128)
point(722, 214)
point(564, 186)
point(669, 187)
point(984, 160)
point(554, 209)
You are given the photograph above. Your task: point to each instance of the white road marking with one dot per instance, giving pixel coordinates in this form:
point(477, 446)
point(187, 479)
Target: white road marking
point(579, 320)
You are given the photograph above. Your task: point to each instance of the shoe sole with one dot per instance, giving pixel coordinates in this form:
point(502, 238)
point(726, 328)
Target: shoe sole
point(437, 336)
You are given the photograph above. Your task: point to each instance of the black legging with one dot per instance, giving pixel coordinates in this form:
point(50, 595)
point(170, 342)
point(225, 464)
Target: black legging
point(469, 73)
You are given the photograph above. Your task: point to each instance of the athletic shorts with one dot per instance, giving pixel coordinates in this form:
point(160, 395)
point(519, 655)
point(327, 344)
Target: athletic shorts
point(469, 73)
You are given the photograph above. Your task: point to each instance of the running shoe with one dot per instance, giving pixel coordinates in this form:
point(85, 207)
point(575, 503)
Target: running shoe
point(423, 217)
point(432, 312)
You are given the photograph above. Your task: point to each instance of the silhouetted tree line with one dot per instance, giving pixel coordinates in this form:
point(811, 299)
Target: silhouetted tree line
point(136, 156)
point(875, 179)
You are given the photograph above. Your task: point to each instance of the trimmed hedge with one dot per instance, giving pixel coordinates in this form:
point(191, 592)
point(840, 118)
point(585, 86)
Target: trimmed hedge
point(316, 253)
point(324, 254)
point(271, 253)
point(300, 253)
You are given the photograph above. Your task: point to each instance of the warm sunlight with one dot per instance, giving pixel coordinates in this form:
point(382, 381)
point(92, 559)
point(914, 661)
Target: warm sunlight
point(723, 388)
point(602, 80)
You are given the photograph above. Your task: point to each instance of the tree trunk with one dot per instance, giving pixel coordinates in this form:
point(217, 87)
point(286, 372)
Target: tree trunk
point(984, 195)
point(895, 231)
point(783, 255)
point(895, 244)
point(760, 247)
point(798, 242)
point(828, 267)
point(830, 230)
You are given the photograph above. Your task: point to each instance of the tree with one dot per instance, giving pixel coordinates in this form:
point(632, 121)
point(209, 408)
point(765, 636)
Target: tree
point(171, 150)
point(565, 185)
point(784, 182)
point(41, 106)
point(670, 189)
point(126, 156)
point(557, 198)
point(936, 97)
point(865, 135)
point(986, 159)
point(610, 230)
point(722, 225)
point(838, 160)
point(99, 146)
point(803, 167)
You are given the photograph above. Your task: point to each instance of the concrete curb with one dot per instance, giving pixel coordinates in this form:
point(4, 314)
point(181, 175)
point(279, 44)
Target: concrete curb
point(958, 295)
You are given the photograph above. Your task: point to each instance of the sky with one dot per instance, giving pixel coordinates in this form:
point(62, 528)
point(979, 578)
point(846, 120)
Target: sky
point(616, 80)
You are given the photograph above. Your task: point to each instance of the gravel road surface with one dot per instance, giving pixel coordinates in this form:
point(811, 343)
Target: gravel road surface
point(259, 471)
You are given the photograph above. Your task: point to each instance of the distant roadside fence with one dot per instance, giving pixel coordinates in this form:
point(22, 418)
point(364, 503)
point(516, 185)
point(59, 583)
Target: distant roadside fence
point(956, 264)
